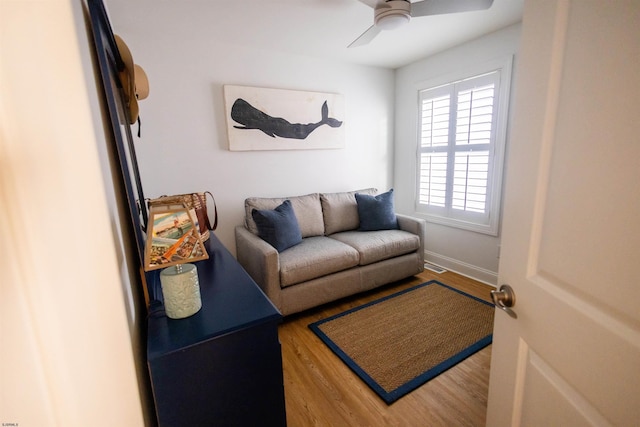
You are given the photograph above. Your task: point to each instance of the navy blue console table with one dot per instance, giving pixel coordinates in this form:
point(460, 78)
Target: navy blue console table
point(223, 365)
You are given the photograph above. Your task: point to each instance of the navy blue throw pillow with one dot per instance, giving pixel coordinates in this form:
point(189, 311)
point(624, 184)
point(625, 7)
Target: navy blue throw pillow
point(376, 212)
point(278, 227)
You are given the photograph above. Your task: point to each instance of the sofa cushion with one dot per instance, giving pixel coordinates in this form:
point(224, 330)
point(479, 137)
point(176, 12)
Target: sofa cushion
point(307, 209)
point(315, 257)
point(374, 246)
point(340, 210)
point(278, 227)
point(376, 212)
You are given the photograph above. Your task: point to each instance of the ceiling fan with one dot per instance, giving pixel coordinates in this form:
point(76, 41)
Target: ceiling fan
point(391, 14)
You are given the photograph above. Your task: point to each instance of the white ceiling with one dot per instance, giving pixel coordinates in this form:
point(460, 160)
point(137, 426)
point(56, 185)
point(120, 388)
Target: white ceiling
point(323, 28)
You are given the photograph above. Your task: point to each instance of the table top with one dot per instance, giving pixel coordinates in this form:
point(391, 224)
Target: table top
point(231, 301)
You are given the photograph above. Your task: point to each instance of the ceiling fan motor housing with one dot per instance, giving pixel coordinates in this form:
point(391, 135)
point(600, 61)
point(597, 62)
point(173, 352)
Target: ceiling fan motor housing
point(392, 14)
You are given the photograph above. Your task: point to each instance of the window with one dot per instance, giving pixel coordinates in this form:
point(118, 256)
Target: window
point(462, 130)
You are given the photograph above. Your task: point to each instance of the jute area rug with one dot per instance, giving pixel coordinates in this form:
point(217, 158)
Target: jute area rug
point(399, 342)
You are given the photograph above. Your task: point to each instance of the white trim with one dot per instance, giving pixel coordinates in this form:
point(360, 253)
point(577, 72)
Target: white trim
point(504, 65)
point(474, 272)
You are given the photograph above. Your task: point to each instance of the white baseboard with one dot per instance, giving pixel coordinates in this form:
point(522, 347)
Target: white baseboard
point(468, 270)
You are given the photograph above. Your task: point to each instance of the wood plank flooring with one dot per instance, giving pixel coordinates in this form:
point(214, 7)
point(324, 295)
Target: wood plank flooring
point(320, 390)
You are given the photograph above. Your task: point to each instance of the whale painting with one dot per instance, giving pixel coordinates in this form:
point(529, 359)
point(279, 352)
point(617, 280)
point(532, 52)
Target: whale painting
point(279, 119)
point(252, 118)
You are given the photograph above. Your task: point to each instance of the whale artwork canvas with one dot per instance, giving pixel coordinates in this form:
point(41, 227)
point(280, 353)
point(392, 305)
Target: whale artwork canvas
point(282, 119)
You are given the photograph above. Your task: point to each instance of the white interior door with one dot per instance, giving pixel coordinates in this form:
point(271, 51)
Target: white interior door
point(571, 234)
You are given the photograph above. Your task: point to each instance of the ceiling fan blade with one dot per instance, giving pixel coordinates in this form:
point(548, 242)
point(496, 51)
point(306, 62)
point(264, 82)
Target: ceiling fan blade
point(366, 37)
point(440, 7)
point(371, 3)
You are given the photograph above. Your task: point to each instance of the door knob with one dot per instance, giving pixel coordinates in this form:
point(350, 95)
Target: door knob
point(505, 298)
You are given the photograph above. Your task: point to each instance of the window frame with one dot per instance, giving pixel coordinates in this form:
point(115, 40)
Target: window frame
point(488, 222)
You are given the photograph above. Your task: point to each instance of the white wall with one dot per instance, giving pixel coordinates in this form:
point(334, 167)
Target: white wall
point(188, 52)
point(184, 144)
point(67, 319)
point(473, 254)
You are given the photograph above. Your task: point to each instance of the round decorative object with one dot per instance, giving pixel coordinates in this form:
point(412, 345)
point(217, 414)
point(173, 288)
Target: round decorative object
point(392, 14)
point(181, 291)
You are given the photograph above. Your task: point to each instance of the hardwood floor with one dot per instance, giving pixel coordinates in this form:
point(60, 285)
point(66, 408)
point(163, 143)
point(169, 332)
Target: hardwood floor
point(320, 390)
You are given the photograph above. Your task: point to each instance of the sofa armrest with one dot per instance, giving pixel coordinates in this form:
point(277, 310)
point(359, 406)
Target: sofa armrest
point(261, 261)
point(416, 226)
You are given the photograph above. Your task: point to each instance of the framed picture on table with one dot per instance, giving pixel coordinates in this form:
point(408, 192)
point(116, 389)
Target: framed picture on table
point(172, 238)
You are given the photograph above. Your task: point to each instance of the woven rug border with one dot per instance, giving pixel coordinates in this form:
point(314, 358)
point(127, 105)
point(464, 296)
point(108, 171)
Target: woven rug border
point(392, 396)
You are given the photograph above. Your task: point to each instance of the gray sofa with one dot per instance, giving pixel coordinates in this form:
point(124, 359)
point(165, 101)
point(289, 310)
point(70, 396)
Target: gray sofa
point(333, 259)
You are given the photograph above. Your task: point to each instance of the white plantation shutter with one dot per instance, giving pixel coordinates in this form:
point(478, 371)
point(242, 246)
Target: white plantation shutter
point(433, 179)
point(470, 181)
point(433, 161)
point(457, 151)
